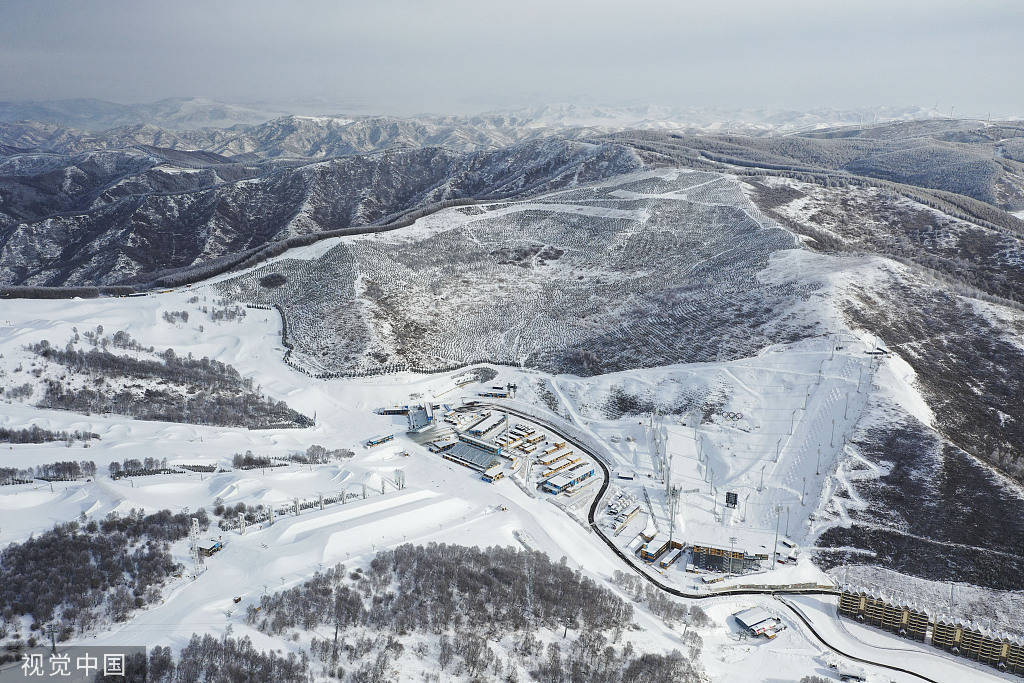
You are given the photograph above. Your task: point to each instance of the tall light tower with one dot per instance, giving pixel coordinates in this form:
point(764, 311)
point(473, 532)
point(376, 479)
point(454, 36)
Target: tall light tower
point(775, 548)
point(673, 504)
point(668, 473)
point(197, 556)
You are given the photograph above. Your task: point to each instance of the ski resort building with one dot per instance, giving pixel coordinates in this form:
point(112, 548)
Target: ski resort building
point(955, 635)
point(980, 644)
point(566, 480)
point(550, 455)
point(481, 444)
point(467, 421)
point(493, 473)
point(653, 549)
point(622, 519)
point(394, 410)
point(495, 393)
point(209, 549)
point(378, 440)
point(569, 462)
point(441, 445)
point(469, 456)
point(887, 614)
point(420, 416)
point(714, 558)
point(508, 440)
point(488, 425)
point(759, 622)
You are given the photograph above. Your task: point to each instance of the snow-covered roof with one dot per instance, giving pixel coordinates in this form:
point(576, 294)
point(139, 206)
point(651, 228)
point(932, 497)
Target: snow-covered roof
point(476, 456)
point(750, 618)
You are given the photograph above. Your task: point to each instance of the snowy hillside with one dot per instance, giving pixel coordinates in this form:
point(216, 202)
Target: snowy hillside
point(443, 501)
point(730, 357)
point(110, 217)
point(647, 269)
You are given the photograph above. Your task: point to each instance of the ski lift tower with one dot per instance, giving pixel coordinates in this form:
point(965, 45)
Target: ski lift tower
point(197, 555)
point(668, 473)
point(673, 503)
point(656, 445)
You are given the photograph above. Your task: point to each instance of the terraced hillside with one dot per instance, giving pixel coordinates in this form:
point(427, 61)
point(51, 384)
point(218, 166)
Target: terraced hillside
point(645, 270)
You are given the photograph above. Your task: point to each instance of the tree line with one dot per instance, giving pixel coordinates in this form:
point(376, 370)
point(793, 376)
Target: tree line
point(84, 573)
point(133, 467)
point(54, 471)
point(36, 434)
point(208, 392)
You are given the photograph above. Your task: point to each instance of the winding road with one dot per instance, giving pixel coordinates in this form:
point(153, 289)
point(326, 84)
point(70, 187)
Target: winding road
point(775, 592)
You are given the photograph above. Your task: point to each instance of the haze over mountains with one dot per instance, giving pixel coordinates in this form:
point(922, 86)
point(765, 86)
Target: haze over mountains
point(189, 113)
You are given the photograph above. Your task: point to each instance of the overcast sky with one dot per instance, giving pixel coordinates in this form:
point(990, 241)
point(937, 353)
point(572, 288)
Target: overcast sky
point(441, 56)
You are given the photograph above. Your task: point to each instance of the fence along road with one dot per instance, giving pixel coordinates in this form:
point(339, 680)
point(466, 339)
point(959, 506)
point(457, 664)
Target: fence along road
point(590, 449)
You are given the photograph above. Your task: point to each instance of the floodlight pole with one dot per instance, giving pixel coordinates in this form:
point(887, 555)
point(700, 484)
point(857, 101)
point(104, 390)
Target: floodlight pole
point(760, 485)
point(775, 548)
point(51, 630)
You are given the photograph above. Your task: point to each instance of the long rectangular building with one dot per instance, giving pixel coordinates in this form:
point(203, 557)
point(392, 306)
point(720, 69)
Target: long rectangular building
point(480, 443)
point(707, 556)
point(560, 482)
point(471, 457)
point(378, 440)
point(562, 465)
point(486, 426)
point(549, 457)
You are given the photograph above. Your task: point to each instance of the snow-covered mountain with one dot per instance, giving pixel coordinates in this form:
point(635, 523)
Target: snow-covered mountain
point(187, 113)
point(108, 217)
point(827, 322)
point(706, 119)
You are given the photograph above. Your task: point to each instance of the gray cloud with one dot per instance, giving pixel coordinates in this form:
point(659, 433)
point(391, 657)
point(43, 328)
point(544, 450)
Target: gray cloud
point(407, 56)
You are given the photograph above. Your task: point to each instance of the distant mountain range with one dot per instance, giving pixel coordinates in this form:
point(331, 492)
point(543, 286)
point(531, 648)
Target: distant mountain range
point(189, 113)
